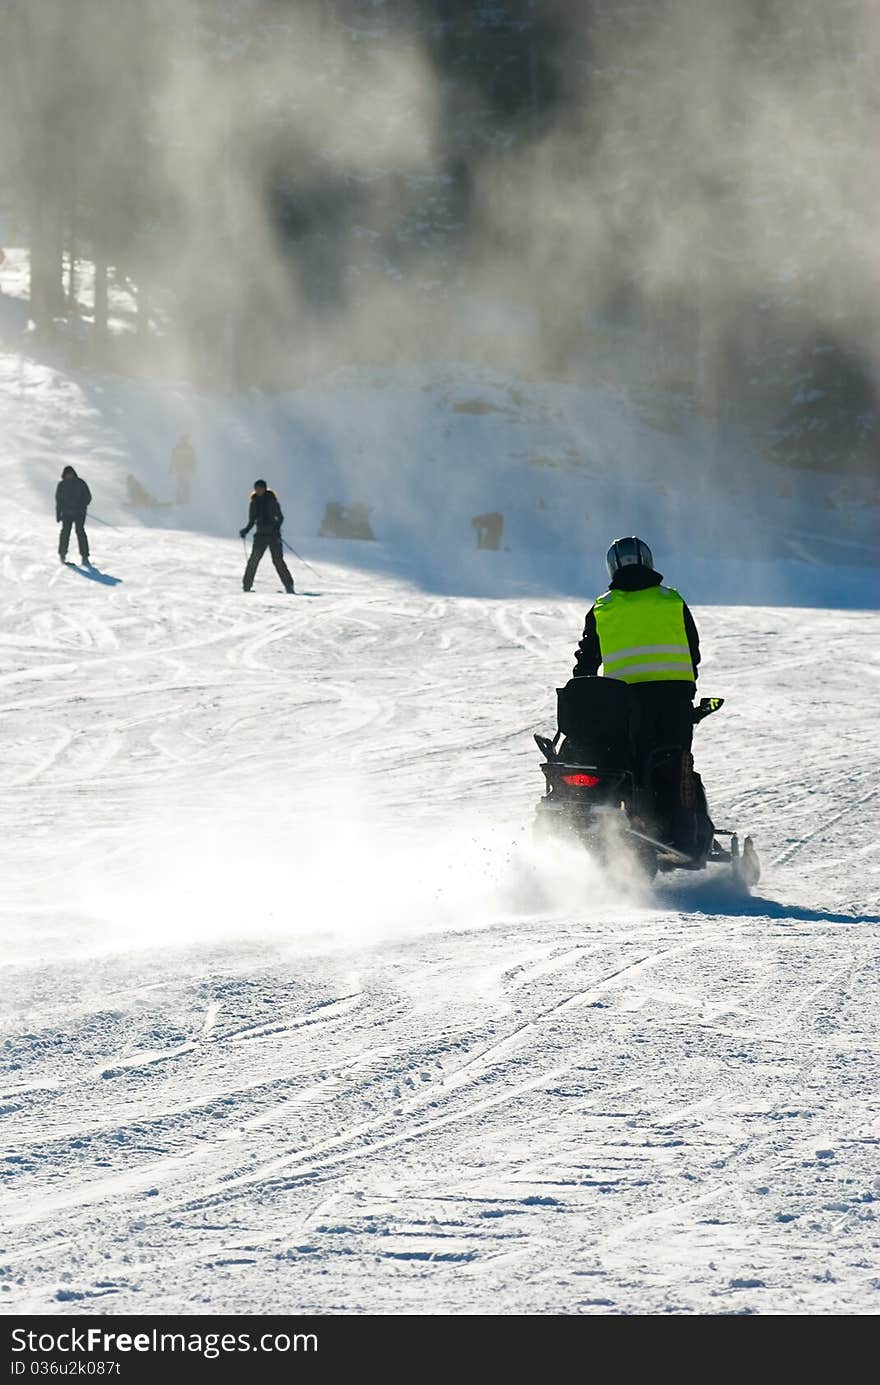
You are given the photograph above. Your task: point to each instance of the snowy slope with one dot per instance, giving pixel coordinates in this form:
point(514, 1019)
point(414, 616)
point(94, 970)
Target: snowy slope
point(295, 1017)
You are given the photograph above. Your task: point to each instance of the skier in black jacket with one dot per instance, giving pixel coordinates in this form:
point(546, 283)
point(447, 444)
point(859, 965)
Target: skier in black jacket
point(266, 519)
point(72, 499)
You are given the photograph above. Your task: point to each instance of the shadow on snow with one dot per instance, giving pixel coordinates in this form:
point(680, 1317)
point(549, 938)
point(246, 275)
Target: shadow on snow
point(728, 897)
point(95, 574)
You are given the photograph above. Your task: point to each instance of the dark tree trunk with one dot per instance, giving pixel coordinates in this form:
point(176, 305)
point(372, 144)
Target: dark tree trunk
point(47, 260)
point(100, 293)
point(72, 192)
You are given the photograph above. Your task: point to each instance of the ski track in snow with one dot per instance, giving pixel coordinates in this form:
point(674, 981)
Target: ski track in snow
point(295, 1019)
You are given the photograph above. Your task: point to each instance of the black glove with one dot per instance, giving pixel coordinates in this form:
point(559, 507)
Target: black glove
point(242, 533)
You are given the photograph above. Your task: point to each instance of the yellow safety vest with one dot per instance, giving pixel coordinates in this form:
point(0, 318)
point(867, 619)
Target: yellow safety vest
point(642, 636)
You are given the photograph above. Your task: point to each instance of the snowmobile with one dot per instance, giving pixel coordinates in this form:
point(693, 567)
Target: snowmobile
point(598, 793)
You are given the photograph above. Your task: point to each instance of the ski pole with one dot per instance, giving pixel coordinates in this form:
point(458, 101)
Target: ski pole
point(104, 522)
point(292, 550)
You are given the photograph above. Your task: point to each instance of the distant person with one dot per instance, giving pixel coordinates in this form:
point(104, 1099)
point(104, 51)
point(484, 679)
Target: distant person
point(183, 464)
point(489, 528)
point(266, 519)
point(72, 499)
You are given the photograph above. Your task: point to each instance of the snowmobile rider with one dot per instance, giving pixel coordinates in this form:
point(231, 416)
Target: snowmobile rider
point(266, 519)
point(72, 499)
point(643, 634)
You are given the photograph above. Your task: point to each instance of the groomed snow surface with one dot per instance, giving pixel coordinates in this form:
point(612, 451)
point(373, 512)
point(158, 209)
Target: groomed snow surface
point(297, 1017)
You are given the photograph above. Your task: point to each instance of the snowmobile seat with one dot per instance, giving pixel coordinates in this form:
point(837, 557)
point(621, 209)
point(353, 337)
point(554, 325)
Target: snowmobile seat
point(594, 716)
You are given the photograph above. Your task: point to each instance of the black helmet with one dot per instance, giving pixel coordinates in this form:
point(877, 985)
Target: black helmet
point(628, 553)
point(260, 483)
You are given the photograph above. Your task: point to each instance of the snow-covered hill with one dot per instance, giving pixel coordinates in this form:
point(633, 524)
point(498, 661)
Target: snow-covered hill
point(296, 1017)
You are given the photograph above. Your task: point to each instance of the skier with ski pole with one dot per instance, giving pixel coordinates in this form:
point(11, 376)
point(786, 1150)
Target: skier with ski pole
point(265, 518)
point(72, 499)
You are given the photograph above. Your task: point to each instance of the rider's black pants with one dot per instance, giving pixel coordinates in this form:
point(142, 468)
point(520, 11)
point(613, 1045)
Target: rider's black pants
point(663, 730)
point(662, 715)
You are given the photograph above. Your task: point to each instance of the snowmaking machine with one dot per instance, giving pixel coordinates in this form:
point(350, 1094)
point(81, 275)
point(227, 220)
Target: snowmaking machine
point(603, 794)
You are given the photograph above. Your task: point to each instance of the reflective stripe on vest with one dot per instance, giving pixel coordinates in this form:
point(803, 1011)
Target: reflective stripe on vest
point(642, 637)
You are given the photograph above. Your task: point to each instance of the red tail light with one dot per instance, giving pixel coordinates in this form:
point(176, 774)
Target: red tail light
point(582, 781)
